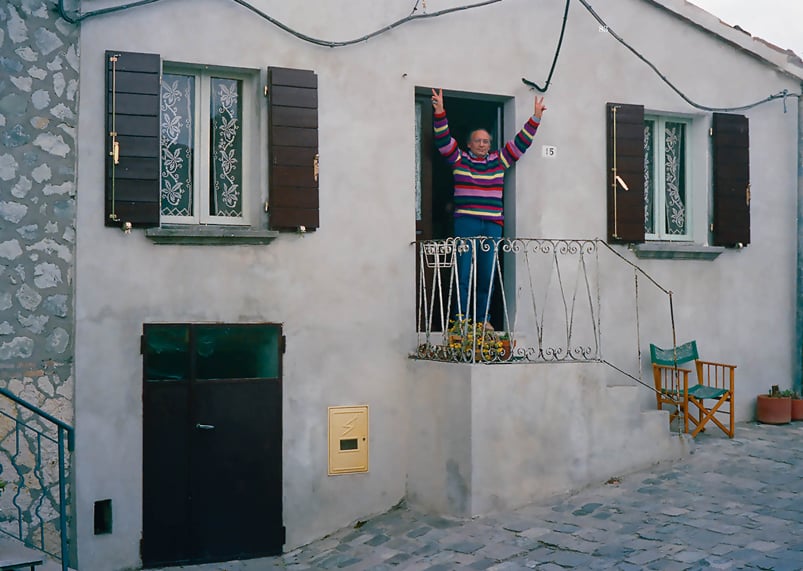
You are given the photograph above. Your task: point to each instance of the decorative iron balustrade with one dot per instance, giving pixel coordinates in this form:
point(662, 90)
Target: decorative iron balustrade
point(547, 302)
point(35, 450)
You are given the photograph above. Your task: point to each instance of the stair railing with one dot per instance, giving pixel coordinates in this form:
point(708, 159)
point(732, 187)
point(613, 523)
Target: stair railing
point(40, 495)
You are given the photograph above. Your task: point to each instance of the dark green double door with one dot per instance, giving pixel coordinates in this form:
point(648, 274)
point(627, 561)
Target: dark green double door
point(212, 442)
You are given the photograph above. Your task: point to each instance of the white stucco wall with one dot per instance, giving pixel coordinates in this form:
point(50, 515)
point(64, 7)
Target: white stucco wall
point(345, 293)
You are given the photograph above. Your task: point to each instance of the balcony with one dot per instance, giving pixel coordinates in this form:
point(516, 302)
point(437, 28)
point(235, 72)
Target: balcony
point(569, 407)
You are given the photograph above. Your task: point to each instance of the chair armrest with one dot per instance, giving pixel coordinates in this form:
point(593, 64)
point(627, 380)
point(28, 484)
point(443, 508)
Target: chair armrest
point(715, 364)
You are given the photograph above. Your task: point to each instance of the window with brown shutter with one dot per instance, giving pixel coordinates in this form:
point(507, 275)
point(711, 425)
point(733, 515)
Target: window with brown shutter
point(731, 159)
point(293, 149)
point(625, 176)
point(132, 139)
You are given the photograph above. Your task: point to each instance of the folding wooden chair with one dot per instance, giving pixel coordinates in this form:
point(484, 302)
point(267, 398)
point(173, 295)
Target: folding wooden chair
point(715, 382)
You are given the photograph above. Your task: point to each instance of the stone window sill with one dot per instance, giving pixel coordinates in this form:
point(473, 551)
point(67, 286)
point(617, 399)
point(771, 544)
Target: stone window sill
point(676, 251)
point(210, 235)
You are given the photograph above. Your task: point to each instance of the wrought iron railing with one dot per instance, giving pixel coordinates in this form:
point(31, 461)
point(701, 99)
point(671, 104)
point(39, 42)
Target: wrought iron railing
point(35, 451)
point(548, 306)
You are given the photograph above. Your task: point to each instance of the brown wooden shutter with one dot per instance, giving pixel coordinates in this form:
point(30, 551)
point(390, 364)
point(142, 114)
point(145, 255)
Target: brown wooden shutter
point(293, 148)
point(731, 158)
point(626, 155)
point(132, 119)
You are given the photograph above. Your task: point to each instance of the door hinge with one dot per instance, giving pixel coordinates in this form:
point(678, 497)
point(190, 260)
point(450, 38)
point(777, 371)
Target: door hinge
point(284, 344)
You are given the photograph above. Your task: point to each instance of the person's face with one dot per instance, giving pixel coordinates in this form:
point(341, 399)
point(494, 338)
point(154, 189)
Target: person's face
point(479, 142)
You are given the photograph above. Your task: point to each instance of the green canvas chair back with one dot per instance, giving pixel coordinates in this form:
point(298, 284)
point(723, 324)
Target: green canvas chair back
point(685, 353)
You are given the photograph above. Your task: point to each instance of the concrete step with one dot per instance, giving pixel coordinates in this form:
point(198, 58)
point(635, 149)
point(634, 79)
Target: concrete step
point(14, 555)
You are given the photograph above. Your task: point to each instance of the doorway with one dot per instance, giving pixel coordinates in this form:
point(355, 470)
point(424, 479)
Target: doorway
point(212, 442)
point(435, 182)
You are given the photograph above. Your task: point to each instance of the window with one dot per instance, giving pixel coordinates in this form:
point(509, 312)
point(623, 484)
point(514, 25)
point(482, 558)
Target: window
point(666, 201)
point(183, 148)
point(649, 189)
point(201, 148)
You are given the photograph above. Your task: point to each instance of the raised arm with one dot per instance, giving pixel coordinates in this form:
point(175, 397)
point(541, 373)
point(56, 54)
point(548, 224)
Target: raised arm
point(444, 141)
point(516, 147)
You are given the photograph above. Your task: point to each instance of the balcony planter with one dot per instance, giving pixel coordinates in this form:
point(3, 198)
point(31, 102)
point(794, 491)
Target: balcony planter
point(775, 407)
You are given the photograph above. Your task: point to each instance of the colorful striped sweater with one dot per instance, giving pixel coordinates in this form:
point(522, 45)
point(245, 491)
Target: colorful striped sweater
point(478, 183)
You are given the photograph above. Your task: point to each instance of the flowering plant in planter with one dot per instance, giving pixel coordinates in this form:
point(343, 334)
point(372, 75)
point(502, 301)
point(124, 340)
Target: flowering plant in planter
point(465, 337)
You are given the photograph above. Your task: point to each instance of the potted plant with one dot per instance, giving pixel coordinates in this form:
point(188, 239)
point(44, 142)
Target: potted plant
point(797, 406)
point(774, 407)
point(466, 339)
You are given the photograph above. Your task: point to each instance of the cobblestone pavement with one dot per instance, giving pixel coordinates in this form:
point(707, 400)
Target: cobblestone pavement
point(732, 504)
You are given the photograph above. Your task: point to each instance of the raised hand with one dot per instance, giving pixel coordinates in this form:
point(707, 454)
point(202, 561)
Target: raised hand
point(539, 107)
point(437, 100)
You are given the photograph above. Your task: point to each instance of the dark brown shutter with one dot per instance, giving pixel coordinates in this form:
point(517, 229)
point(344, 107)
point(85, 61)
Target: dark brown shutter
point(132, 118)
point(626, 155)
point(293, 148)
point(731, 154)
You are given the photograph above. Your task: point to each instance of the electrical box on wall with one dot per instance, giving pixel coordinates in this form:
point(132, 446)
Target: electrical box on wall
point(348, 439)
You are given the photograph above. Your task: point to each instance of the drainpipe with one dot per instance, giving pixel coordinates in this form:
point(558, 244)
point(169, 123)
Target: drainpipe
point(798, 381)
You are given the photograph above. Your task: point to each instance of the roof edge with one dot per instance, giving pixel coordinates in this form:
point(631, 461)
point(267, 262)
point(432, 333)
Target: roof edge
point(782, 59)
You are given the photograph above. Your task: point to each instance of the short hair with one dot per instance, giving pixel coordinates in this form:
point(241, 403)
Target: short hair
point(474, 130)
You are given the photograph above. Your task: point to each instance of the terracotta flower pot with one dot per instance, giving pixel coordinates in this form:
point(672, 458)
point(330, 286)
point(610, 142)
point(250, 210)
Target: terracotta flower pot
point(773, 410)
point(797, 409)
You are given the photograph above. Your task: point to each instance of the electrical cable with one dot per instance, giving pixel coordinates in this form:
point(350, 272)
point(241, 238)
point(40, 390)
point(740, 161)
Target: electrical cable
point(555, 59)
point(781, 94)
point(317, 41)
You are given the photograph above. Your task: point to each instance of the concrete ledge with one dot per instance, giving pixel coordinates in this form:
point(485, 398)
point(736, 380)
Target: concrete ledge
point(676, 251)
point(210, 235)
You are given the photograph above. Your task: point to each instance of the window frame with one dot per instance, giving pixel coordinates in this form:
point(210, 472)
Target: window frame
point(659, 233)
point(200, 168)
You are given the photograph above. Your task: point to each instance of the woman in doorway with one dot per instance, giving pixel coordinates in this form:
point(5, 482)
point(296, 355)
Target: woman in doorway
point(479, 176)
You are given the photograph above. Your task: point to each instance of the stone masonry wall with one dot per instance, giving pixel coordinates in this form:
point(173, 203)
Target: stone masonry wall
point(38, 119)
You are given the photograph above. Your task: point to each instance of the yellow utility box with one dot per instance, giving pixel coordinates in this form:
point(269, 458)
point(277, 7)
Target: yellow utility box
point(348, 439)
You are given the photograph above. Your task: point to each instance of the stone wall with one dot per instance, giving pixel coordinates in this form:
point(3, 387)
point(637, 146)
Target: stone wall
point(38, 106)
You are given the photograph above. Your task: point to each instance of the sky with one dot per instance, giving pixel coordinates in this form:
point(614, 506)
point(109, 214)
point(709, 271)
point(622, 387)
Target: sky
point(777, 21)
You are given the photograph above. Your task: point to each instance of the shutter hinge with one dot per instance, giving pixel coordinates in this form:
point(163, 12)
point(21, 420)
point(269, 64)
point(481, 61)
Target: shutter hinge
point(711, 227)
point(265, 91)
point(267, 208)
point(710, 131)
point(315, 167)
point(747, 195)
point(141, 344)
point(284, 344)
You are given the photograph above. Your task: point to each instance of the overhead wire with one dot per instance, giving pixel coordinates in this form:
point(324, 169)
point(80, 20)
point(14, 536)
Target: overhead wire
point(780, 95)
point(555, 58)
point(415, 15)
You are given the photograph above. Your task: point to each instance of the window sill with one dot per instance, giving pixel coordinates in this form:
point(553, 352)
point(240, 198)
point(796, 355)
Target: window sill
point(676, 251)
point(210, 235)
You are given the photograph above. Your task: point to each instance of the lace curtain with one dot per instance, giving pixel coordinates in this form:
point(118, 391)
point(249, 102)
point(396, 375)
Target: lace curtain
point(672, 164)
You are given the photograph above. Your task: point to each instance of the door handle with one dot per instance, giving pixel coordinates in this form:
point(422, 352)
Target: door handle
point(205, 426)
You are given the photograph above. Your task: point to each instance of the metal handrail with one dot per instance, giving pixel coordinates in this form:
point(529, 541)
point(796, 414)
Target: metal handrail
point(573, 300)
point(65, 436)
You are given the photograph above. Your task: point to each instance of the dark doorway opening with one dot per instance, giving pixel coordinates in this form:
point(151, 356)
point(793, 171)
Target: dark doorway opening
point(435, 211)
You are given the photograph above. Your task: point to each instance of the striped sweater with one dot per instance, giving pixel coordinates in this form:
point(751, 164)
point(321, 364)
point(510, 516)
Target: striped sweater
point(478, 183)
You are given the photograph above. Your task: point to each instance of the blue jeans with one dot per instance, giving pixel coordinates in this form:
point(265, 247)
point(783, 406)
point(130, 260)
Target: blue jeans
point(470, 227)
